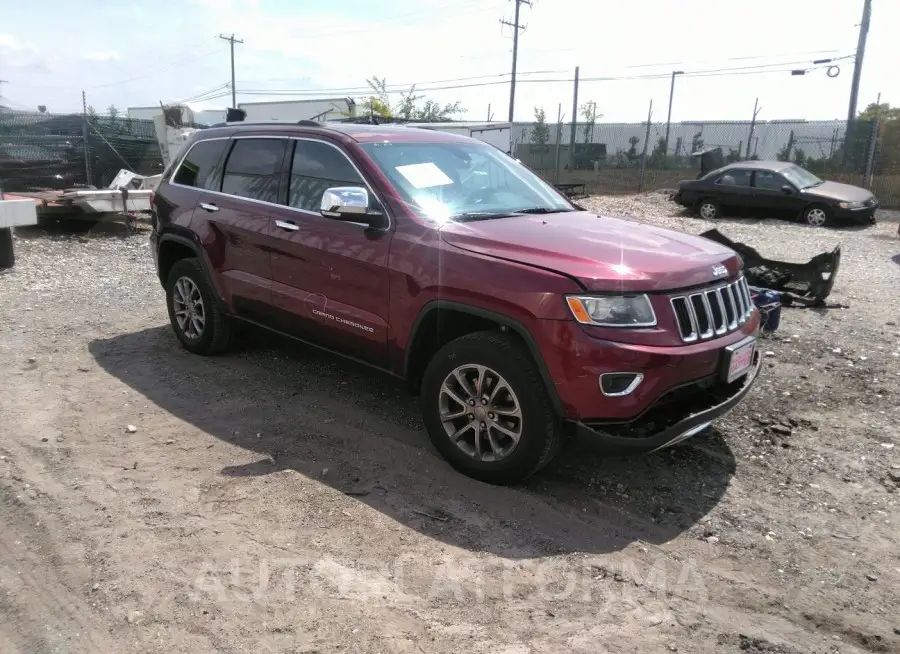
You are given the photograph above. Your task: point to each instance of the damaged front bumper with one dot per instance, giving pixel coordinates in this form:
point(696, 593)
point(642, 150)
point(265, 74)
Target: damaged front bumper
point(661, 427)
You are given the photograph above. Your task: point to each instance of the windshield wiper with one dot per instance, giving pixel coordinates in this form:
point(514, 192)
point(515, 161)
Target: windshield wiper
point(480, 215)
point(540, 210)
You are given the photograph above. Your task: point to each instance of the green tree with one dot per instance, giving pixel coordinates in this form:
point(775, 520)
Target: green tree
point(589, 112)
point(732, 156)
point(784, 154)
point(631, 153)
point(113, 112)
point(379, 105)
point(887, 144)
point(540, 133)
point(800, 157)
point(658, 154)
point(91, 113)
point(882, 111)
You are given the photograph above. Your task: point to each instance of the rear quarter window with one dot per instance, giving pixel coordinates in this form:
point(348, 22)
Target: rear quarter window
point(201, 167)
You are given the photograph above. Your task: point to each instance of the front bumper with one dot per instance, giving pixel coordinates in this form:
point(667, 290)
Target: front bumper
point(863, 215)
point(658, 427)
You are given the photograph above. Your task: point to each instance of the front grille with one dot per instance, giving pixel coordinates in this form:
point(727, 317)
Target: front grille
point(713, 311)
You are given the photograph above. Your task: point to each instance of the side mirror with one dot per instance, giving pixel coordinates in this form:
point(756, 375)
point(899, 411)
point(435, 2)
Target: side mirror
point(350, 204)
point(787, 190)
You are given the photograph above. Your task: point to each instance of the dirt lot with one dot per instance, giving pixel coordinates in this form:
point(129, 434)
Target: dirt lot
point(279, 500)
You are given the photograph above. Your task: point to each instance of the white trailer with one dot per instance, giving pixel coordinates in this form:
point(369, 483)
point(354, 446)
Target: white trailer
point(496, 133)
point(320, 109)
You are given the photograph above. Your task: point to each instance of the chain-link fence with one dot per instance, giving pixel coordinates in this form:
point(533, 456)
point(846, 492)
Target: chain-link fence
point(629, 157)
point(45, 151)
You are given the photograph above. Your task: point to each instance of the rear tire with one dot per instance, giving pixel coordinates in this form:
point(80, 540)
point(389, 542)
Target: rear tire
point(708, 209)
point(510, 386)
point(7, 255)
point(817, 215)
point(194, 310)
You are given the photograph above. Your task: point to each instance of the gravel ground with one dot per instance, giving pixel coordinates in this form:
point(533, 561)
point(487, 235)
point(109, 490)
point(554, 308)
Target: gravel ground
point(279, 500)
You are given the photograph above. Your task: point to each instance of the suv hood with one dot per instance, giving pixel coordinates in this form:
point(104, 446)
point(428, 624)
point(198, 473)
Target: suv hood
point(838, 192)
point(602, 253)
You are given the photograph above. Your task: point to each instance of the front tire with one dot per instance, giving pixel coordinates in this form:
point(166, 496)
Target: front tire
point(708, 209)
point(487, 411)
point(816, 215)
point(194, 310)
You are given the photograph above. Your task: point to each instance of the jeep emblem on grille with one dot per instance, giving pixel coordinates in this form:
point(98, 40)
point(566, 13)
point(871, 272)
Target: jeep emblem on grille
point(718, 270)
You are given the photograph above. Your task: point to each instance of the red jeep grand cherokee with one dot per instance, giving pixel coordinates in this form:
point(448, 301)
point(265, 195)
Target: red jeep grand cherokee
point(519, 318)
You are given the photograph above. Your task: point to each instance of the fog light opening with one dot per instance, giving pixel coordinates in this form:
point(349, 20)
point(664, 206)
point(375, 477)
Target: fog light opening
point(618, 384)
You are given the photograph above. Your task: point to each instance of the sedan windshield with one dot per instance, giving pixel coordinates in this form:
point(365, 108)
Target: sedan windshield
point(464, 181)
point(800, 177)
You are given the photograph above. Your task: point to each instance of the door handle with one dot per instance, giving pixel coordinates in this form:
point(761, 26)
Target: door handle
point(208, 206)
point(284, 224)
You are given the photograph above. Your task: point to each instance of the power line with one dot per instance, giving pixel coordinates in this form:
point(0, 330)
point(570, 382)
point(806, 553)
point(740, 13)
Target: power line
point(405, 86)
point(515, 53)
point(232, 40)
point(720, 72)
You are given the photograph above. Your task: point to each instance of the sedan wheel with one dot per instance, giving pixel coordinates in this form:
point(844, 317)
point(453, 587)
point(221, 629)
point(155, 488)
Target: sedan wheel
point(708, 210)
point(816, 216)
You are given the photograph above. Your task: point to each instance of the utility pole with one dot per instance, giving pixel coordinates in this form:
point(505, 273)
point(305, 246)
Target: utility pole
point(84, 138)
point(644, 153)
point(559, 118)
point(858, 63)
point(574, 123)
point(756, 110)
point(857, 74)
point(231, 40)
point(515, 53)
point(669, 118)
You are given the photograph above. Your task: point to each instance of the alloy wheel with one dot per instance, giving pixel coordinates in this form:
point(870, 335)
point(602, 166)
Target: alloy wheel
point(707, 211)
point(480, 412)
point(816, 217)
point(187, 303)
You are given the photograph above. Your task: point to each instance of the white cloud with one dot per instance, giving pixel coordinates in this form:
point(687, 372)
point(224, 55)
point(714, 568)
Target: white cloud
point(103, 55)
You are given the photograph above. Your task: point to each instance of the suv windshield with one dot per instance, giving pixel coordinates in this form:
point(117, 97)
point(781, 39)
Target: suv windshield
point(800, 177)
point(463, 181)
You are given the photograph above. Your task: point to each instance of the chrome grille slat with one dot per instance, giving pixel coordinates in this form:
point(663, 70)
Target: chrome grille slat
point(713, 311)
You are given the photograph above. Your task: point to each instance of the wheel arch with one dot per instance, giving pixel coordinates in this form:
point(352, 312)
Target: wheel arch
point(428, 323)
point(173, 248)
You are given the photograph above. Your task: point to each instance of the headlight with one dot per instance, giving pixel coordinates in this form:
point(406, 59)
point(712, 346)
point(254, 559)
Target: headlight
point(612, 310)
point(851, 205)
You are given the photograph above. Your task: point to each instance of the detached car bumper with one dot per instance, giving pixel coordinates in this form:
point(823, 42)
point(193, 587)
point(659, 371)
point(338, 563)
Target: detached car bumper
point(664, 425)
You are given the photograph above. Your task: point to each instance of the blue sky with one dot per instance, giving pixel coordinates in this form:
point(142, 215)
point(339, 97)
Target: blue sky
point(131, 53)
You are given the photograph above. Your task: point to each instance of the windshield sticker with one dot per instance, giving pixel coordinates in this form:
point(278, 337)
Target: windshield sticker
point(424, 175)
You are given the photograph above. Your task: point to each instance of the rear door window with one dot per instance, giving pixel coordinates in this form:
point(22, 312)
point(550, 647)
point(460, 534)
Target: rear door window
point(316, 167)
point(735, 177)
point(254, 168)
point(201, 167)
